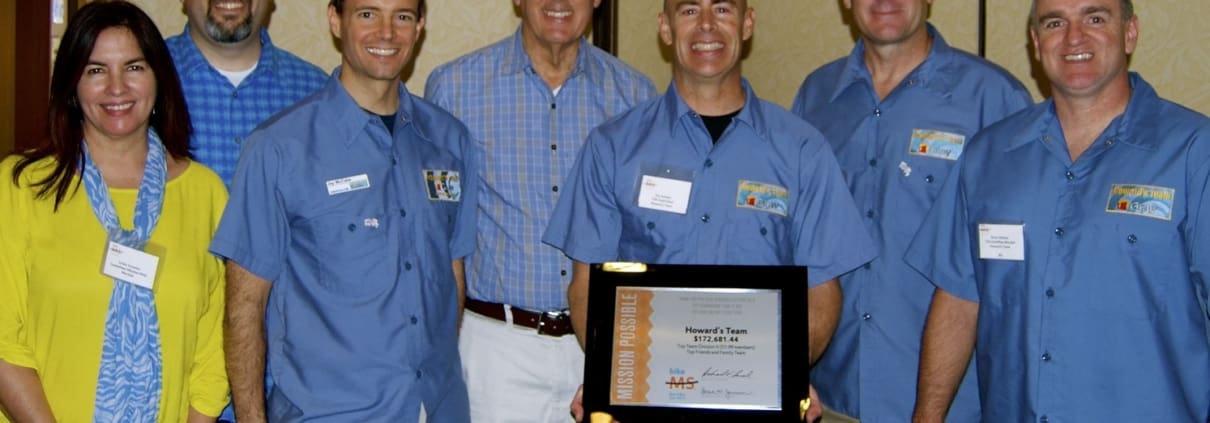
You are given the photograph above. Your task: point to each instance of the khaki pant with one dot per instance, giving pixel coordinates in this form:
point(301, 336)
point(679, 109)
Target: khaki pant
point(831, 416)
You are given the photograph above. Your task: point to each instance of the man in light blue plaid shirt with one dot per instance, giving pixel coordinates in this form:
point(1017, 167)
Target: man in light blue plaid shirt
point(234, 80)
point(529, 101)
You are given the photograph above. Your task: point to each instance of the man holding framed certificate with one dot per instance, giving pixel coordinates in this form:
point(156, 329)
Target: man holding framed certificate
point(710, 174)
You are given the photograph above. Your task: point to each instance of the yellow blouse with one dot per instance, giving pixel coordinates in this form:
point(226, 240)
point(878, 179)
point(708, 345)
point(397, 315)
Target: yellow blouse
point(53, 297)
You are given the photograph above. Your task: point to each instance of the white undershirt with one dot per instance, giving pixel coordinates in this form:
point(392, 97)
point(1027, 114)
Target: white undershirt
point(236, 77)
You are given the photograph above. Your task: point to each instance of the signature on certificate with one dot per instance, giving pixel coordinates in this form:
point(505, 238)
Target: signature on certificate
point(727, 373)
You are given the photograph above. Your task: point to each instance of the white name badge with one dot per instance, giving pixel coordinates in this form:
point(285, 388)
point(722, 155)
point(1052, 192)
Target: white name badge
point(1002, 242)
point(664, 194)
point(351, 183)
point(131, 265)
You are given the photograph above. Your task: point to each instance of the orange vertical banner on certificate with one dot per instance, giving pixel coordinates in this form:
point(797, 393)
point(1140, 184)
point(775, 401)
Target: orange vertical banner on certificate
point(631, 339)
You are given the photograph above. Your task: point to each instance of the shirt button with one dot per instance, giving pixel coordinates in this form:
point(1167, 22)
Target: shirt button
point(414, 320)
point(394, 161)
point(239, 140)
point(650, 225)
point(554, 147)
point(403, 213)
point(877, 112)
point(1045, 356)
point(1059, 232)
point(1132, 239)
point(709, 163)
point(1044, 419)
point(1070, 175)
point(562, 273)
point(873, 162)
point(407, 265)
point(869, 214)
point(705, 218)
point(764, 231)
point(352, 227)
point(928, 179)
point(417, 374)
point(866, 316)
point(868, 266)
point(555, 188)
point(1050, 293)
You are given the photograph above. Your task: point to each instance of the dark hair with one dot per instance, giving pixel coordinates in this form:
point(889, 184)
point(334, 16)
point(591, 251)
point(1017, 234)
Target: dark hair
point(170, 115)
point(1127, 12)
point(340, 7)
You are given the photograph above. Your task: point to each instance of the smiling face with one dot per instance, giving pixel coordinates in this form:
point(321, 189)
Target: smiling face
point(117, 90)
point(707, 37)
point(1083, 45)
point(555, 23)
point(376, 37)
point(226, 21)
point(885, 22)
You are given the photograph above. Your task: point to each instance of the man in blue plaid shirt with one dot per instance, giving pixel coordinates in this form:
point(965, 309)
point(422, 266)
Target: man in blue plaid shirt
point(234, 77)
point(529, 101)
point(233, 80)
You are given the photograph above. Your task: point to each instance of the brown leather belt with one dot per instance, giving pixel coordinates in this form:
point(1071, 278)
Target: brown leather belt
point(551, 323)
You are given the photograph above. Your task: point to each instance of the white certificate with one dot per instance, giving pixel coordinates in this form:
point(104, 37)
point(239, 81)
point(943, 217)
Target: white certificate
point(717, 348)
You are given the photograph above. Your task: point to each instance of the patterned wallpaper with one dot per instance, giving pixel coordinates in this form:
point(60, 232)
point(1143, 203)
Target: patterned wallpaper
point(792, 38)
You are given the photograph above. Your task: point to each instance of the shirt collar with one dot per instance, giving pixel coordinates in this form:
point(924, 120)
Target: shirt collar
point(1125, 128)
point(351, 117)
point(516, 60)
point(752, 114)
point(193, 60)
point(934, 73)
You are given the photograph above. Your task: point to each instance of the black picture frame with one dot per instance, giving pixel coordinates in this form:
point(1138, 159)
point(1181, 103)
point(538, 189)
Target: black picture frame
point(599, 336)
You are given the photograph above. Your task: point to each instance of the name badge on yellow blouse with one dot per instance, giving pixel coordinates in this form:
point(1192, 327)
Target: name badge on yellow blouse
point(131, 265)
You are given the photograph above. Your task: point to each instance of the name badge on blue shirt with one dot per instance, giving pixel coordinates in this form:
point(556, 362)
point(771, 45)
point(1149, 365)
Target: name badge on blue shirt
point(1141, 200)
point(348, 184)
point(936, 144)
point(762, 196)
point(443, 185)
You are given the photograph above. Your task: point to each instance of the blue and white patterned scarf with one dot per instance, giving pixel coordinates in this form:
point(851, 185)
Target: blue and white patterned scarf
point(129, 383)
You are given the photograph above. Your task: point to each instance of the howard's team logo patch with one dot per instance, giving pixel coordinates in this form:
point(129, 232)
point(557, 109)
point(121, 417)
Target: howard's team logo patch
point(443, 185)
point(936, 144)
point(764, 197)
point(1141, 200)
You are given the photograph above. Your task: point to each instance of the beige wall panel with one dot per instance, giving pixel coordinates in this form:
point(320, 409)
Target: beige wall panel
point(793, 37)
point(453, 28)
point(1172, 53)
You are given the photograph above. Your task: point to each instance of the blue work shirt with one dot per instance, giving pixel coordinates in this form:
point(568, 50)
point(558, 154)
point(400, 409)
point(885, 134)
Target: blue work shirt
point(222, 114)
point(529, 137)
point(1103, 319)
point(895, 154)
point(356, 229)
point(768, 193)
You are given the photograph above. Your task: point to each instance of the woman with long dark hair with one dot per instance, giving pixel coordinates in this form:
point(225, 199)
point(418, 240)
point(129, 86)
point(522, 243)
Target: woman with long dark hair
point(110, 304)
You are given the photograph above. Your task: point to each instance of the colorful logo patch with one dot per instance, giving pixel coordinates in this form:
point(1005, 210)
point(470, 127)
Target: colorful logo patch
point(764, 197)
point(443, 185)
point(936, 144)
point(1141, 200)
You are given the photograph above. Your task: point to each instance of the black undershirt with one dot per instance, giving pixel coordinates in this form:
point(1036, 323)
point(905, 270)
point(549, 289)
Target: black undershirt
point(715, 125)
point(388, 120)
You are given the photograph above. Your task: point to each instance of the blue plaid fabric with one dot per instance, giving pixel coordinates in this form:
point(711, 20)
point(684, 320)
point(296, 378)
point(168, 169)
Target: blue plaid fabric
point(529, 139)
point(222, 114)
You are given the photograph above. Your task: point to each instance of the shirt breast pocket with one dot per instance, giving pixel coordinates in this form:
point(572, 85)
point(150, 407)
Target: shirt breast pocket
point(355, 256)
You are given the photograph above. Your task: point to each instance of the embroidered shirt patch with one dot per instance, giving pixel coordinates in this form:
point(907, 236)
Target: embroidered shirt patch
point(762, 196)
point(443, 185)
point(936, 144)
point(1141, 200)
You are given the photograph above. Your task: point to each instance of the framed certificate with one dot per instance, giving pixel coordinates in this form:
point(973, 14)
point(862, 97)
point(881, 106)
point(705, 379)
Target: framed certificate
point(673, 343)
